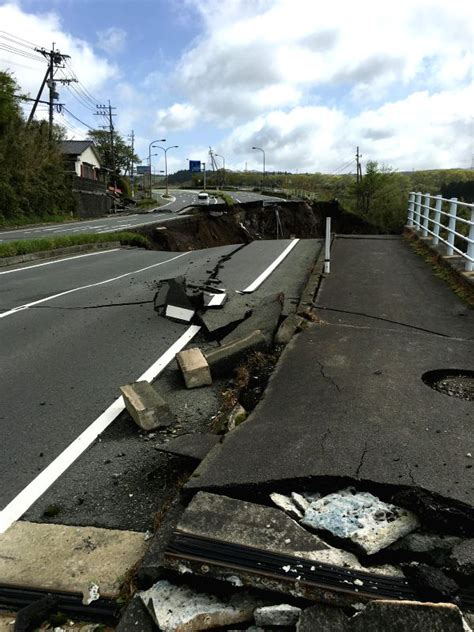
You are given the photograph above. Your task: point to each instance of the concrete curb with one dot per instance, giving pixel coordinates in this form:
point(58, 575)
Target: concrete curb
point(57, 252)
point(312, 285)
point(453, 264)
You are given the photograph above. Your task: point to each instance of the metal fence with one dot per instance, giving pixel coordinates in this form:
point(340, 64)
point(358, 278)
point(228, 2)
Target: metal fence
point(449, 222)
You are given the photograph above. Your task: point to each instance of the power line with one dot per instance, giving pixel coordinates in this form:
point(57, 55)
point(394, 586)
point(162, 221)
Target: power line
point(77, 119)
point(21, 53)
point(18, 39)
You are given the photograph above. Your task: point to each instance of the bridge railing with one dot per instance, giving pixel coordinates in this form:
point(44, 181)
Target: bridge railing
point(446, 221)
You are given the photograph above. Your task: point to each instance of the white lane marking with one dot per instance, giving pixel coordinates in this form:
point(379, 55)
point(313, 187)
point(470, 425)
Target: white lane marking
point(50, 263)
point(30, 494)
point(20, 308)
point(237, 200)
point(266, 273)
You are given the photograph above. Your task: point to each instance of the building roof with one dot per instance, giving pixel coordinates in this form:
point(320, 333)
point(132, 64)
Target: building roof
point(76, 147)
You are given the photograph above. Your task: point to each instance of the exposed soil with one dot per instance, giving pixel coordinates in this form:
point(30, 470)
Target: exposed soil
point(461, 386)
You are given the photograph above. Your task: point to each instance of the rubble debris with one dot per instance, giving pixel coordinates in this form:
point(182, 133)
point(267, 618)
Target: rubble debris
point(173, 300)
point(136, 617)
point(462, 558)
point(194, 368)
point(283, 614)
point(323, 618)
point(287, 329)
point(360, 517)
point(214, 299)
point(91, 593)
point(431, 582)
point(148, 409)
point(34, 614)
point(431, 547)
point(237, 415)
point(301, 502)
point(287, 504)
point(386, 615)
point(195, 446)
point(225, 358)
point(181, 609)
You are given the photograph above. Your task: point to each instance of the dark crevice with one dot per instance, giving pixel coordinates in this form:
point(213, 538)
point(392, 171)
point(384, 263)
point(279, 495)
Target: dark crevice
point(386, 320)
point(327, 377)
point(361, 462)
point(324, 439)
point(91, 306)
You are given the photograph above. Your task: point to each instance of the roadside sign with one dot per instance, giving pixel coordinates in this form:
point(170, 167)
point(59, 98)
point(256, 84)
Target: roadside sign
point(195, 166)
point(142, 169)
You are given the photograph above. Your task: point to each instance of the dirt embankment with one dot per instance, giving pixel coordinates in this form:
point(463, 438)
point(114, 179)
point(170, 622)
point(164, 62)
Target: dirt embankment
point(249, 222)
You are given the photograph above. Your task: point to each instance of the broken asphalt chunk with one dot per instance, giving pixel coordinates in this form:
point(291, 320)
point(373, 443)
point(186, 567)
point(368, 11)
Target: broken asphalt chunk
point(361, 518)
point(224, 359)
point(212, 299)
point(265, 317)
point(148, 409)
point(283, 614)
point(173, 300)
point(431, 583)
point(462, 558)
point(181, 609)
point(194, 368)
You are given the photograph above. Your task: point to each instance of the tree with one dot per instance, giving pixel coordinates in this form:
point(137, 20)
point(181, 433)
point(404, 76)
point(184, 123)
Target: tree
point(123, 155)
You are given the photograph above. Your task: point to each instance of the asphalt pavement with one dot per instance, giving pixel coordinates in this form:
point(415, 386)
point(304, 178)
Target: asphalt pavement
point(76, 329)
point(347, 400)
point(122, 221)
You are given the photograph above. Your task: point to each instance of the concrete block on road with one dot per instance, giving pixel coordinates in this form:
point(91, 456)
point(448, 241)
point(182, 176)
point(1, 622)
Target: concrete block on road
point(287, 329)
point(194, 368)
point(148, 409)
point(226, 358)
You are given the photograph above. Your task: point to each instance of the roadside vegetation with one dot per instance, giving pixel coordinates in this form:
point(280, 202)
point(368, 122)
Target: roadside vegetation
point(225, 197)
point(28, 246)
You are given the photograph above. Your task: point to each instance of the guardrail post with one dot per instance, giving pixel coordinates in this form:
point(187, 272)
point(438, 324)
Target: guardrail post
point(426, 213)
point(411, 206)
point(417, 215)
point(327, 247)
point(470, 245)
point(453, 210)
point(437, 219)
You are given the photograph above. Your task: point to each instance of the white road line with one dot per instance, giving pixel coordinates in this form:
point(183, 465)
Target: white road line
point(30, 494)
point(21, 308)
point(50, 263)
point(266, 273)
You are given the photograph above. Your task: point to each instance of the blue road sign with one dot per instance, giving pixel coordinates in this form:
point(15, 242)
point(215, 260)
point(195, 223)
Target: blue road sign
point(195, 166)
point(142, 169)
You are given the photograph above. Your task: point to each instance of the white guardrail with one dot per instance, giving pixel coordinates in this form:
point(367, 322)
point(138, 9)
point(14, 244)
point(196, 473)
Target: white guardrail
point(449, 221)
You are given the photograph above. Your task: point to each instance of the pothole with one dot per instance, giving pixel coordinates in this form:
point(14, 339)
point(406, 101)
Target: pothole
point(452, 382)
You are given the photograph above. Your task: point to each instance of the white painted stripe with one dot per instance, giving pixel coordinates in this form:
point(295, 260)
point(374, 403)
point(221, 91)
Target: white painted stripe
point(266, 273)
point(30, 494)
point(180, 313)
point(21, 308)
point(50, 263)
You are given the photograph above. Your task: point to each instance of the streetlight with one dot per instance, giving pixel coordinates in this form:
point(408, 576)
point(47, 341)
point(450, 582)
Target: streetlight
point(159, 140)
point(165, 149)
point(260, 149)
point(223, 160)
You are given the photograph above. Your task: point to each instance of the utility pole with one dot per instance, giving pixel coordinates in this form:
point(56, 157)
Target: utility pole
point(359, 168)
point(55, 60)
point(106, 110)
point(132, 179)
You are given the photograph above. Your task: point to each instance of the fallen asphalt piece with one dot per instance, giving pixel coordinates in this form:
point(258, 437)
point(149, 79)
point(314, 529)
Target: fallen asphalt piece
point(347, 399)
point(193, 446)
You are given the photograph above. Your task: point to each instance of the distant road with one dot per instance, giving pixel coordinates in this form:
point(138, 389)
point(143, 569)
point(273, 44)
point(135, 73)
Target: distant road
point(120, 221)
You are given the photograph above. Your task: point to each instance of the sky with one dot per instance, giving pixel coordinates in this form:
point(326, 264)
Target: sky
point(305, 80)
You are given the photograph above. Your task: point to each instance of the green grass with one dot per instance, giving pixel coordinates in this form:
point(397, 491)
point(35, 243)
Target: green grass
point(28, 246)
point(224, 196)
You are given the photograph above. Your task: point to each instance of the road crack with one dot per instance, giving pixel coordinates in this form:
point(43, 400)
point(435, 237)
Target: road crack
point(361, 461)
point(327, 377)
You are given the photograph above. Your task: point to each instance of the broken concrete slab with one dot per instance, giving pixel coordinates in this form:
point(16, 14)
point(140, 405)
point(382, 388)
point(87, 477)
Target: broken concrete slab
point(287, 504)
point(173, 301)
point(181, 609)
point(264, 317)
point(80, 553)
point(282, 614)
point(194, 368)
point(195, 446)
point(361, 518)
point(227, 357)
point(288, 328)
point(323, 618)
point(462, 557)
point(147, 409)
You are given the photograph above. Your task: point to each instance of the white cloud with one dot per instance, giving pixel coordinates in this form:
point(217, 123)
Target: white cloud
point(112, 40)
point(178, 117)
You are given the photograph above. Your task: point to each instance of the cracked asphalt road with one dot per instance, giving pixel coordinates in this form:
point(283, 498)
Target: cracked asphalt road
point(64, 359)
point(347, 398)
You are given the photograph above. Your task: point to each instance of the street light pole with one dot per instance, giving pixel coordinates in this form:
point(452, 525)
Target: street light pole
point(159, 140)
point(165, 149)
point(263, 152)
point(223, 160)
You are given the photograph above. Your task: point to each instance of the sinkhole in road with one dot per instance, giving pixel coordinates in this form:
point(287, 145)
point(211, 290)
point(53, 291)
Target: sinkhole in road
point(451, 382)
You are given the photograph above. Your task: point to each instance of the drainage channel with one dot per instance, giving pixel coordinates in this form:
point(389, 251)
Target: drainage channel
point(309, 574)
